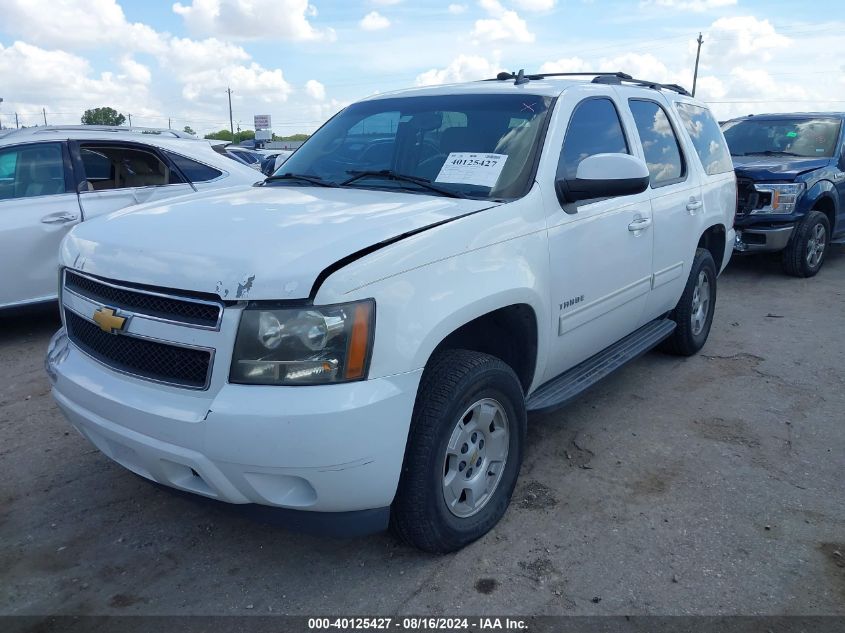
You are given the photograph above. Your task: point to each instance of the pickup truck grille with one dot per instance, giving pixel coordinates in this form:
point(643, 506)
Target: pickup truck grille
point(153, 360)
point(195, 312)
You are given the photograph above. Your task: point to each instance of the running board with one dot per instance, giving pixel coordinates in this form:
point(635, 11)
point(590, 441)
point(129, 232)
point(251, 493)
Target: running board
point(573, 382)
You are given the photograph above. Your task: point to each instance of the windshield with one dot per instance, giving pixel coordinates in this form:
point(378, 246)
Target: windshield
point(478, 146)
point(791, 137)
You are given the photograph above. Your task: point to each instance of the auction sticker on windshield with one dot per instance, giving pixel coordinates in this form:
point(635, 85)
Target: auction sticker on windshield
point(470, 168)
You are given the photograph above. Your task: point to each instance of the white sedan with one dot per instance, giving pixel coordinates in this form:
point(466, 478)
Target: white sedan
point(52, 178)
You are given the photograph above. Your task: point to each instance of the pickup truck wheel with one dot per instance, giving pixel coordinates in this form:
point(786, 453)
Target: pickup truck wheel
point(463, 454)
point(694, 312)
point(804, 255)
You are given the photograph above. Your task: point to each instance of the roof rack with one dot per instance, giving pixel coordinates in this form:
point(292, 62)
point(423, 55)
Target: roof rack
point(598, 78)
point(38, 129)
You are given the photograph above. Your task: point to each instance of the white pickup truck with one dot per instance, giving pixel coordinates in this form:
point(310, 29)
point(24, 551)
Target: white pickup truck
point(357, 341)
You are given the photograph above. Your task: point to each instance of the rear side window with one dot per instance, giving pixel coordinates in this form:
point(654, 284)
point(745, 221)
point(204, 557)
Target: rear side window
point(193, 170)
point(706, 138)
point(594, 128)
point(660, 145)
point(120, 167)
point(32, 170)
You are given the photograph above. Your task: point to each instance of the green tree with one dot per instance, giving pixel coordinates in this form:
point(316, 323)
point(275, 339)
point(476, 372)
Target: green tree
point(188, 130)
point(103, 116)
point(292, 137)
point(222, 135)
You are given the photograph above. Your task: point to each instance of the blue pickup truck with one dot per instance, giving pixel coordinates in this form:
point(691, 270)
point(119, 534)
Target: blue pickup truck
point(790, 171)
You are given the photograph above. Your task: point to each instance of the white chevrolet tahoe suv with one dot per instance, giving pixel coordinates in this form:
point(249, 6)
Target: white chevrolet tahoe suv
point(357, 341)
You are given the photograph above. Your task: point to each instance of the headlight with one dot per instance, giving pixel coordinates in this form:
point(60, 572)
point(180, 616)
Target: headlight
point(304, 346)
point(778, 198)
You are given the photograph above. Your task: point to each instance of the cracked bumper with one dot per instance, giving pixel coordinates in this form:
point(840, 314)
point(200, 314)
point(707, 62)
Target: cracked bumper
point(761, 240)
point(334, 448)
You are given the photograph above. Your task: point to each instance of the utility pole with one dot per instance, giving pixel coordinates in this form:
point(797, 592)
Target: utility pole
point(17, 127)
point(1, 125)
point(231, 123)
point(700, 40)
point(44, 112)
point(168, 124)
point(130, 119)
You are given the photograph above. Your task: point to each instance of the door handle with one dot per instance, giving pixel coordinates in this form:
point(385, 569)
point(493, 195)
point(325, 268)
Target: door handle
point(62, 217)
point(694, 205)
point(639, 224)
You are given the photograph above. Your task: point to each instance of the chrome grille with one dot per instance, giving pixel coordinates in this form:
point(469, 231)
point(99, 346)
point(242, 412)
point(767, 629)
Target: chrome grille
point(187, 311)
point(146, 358)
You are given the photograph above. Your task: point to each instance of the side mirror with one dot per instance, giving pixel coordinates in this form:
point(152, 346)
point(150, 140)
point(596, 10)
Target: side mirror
point(605, 176)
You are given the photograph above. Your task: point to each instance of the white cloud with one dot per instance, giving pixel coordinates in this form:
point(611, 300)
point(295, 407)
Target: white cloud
point(502, 25)
point(77, 25)
point(697, 6)
point(315, 90)
point(462, 68)
point(538, 5)
point(135, 72)
point(374, 21)
point(745, 37)
point(252, 83)
point(509, 26)
point(565, 65)
point(29, 73)
point(249, 19)
point(385, 3)
point(457, 9)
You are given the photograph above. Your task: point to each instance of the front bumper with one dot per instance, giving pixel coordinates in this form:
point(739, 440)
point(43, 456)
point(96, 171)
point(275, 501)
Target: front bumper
point(332, 448)
point(762, 239)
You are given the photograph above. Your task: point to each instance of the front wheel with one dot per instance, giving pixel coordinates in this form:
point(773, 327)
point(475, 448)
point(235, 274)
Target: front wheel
point(694, 312)
point(464, 452)
point(804, 255)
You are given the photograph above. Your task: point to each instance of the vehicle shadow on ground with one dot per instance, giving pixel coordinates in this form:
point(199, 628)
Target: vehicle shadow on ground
point(760, 264)
point(28, 322)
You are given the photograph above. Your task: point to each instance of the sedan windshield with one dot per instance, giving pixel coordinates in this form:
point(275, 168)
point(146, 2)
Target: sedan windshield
point(786, 137)
point(478, 146)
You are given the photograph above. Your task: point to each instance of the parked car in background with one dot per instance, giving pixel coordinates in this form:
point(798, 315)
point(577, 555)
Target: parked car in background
point(359, 339)
point(53, 178)
point(249, 157)
point(273, 161)
point(790, 172)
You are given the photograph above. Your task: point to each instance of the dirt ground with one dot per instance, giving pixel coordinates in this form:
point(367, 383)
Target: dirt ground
point(708, 485)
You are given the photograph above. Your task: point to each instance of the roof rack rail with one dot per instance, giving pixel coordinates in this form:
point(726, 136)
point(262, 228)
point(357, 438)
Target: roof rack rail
point(43, 129)
point(598, 78)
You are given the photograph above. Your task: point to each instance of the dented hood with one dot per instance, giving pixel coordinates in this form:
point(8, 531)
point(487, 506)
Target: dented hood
point(249, 242)
point(778, 168)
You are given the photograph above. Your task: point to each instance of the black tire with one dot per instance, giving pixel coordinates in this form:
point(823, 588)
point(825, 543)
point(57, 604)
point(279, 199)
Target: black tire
point(451, 382)
point(796, 260)
point(685, 341)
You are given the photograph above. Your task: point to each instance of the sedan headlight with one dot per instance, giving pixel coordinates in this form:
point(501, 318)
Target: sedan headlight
point(777, 198)
point(304, 346)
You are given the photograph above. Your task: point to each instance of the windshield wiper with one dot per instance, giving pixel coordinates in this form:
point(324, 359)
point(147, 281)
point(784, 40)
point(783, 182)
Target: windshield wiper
point(770, 152)
point(389, 174)
point(314, 180)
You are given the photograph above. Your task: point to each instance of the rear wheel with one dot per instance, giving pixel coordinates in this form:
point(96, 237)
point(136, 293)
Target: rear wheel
point(464, 452)
point(694, 312)
point(804, 255)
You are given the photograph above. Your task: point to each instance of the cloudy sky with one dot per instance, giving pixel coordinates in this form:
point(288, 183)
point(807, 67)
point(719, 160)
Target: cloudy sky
point(301, 61)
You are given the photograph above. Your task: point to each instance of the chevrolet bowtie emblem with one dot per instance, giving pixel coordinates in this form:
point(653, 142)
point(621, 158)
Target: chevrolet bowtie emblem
point(108, 320)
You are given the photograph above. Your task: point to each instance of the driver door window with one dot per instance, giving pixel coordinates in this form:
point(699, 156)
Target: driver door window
point(594, 128)
point(32, 170)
